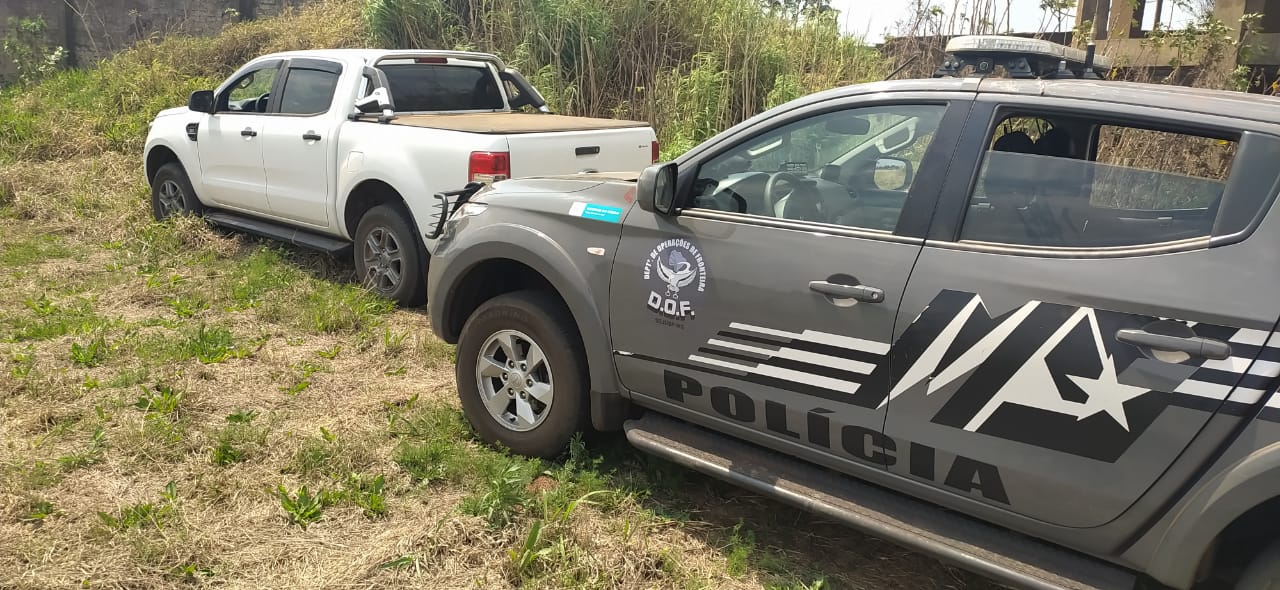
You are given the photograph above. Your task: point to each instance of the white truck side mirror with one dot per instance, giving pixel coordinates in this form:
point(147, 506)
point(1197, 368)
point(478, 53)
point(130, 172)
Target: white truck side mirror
point(378, 100)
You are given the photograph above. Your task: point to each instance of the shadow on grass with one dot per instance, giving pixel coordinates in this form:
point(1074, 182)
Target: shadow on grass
point(785, 547)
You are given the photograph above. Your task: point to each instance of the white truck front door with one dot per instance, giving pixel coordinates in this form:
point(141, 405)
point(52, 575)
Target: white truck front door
point(297, 140)
point(230, 142)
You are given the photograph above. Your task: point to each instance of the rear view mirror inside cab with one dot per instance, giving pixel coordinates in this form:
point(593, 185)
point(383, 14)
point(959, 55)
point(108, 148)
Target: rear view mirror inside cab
point(848, 126)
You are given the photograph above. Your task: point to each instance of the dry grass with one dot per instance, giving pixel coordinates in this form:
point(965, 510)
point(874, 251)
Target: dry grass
point(166, 390)
point(81, 263)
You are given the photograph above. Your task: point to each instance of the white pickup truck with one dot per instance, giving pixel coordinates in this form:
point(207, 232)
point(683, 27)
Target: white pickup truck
point(344, 149)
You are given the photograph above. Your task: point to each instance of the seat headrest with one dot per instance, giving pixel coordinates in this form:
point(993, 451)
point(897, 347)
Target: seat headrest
point(1014, 141)
point(1056, 142)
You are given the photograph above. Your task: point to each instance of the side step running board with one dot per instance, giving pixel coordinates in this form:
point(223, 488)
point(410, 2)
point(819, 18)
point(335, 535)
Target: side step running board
point(1006, 556)
point(276, 231)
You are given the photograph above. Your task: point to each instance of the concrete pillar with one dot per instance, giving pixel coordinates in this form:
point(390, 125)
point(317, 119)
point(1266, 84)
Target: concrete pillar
point(1120, 19)
point(1098, 11)
point(1230, 11)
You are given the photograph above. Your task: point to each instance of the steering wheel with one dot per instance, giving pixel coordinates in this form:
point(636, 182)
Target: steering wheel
point(773, 194)
point(260, 103)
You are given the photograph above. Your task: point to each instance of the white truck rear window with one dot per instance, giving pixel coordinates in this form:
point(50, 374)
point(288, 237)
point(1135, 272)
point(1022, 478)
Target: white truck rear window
point(417, 87)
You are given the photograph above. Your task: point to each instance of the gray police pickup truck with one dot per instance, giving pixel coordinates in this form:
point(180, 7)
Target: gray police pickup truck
point(1026, 325)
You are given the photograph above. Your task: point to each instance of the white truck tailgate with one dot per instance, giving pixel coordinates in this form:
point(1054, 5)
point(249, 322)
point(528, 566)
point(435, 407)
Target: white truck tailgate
point(570, 152)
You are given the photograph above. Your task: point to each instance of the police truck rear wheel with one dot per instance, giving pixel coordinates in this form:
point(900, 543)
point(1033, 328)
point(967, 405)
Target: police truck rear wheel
point(522, 373)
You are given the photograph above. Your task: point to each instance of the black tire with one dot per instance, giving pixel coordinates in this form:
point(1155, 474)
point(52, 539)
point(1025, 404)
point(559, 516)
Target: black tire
point(172, 194)
point(400, 275)
point(1263, 572)
point(547, 323)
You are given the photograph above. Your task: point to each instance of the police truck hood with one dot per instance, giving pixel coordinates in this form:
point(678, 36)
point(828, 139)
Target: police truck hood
point(600, 197)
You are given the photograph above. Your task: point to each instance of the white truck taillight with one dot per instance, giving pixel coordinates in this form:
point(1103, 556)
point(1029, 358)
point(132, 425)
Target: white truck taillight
point(653, 149)
point(489, 167)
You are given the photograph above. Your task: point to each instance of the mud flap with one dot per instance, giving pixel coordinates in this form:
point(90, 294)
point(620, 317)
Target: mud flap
point(608, 411)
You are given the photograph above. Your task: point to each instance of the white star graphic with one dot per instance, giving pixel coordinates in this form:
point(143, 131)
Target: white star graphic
point(1106, 393)
point(1032, 384)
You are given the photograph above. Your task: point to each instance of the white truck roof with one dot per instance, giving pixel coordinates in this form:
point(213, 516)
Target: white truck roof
point(370, 56)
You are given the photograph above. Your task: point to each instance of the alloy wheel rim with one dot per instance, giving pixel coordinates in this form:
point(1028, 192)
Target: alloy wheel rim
point(170, 198)
point(515, 380)
point(383, 261)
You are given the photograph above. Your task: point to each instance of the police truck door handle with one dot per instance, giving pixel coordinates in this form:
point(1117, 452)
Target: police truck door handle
point(862, 293)
point(1194, 346)
point(311, 136)
point(248, 132)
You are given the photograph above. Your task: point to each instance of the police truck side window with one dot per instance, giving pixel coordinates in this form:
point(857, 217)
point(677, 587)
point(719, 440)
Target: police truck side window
point(1081, 183)
point(852, 167)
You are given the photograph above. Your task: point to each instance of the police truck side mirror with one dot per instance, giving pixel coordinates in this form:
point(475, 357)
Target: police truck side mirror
point(656, 188)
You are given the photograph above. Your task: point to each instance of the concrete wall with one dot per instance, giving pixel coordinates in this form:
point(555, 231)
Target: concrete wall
point(91, 30)
point(1115, 27)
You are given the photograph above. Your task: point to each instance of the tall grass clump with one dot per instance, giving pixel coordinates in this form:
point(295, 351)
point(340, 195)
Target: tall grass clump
point(690, 68)
point(83, 112)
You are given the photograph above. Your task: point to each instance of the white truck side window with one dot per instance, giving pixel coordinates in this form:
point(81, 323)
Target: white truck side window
point(251, 92)
point(307, 92)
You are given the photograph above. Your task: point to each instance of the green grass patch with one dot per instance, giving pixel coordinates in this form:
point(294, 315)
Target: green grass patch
point(35, 250)
point(366, 492)
point(428, 461)
point(317, 453)
point(46, 319)
point(301, 507)
point(90, 353)
point(503, 490)
point(37, 475)
point(414, 420)
point(38, 509)
point(22, 362)
point(90, 455)
point(163, 432)
point(160, 400)
point(187, 307)
point(238, 439)
point(211, 344)
point(129, 377)
point(251, 278)
point(144, 514)
point(301, 379)
point(337, 308)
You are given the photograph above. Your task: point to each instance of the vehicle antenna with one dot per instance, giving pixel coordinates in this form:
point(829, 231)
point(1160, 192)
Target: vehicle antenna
point(904, 65)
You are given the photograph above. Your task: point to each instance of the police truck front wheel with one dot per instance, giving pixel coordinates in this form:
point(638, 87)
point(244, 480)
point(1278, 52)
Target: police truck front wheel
point(522, 373)
point(1263, 572)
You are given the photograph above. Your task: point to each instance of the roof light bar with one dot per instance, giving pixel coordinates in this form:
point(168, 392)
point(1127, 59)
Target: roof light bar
point(1021, 57)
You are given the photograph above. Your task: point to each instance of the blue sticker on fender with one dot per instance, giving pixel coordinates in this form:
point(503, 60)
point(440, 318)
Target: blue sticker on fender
point(596, 212)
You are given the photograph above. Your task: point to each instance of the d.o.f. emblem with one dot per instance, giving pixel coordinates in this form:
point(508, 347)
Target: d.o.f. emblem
point(676, 272)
